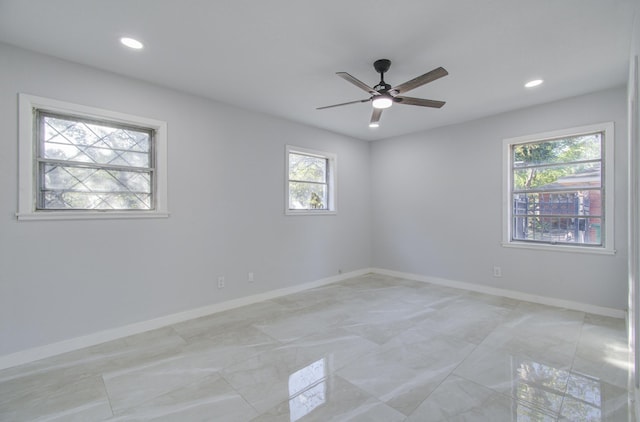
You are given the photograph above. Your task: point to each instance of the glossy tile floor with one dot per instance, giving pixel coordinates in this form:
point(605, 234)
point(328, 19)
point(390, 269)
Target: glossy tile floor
point(372, 348)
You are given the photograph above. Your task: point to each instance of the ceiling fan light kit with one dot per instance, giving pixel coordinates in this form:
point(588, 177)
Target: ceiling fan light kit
point(383, 95)
point(382, 101)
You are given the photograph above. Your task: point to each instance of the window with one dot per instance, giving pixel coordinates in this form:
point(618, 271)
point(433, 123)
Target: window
point(311, 179)
point(82, 162)
point(559, 190)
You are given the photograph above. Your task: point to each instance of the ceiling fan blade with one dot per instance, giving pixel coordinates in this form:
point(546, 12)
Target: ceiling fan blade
point(421, 80)
point(375, 116)
point(341, 104)
point(419, 102)
point(357, 82)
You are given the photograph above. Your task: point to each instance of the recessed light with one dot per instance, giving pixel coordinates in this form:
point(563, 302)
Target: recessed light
point(131, 43)
point(533, 83)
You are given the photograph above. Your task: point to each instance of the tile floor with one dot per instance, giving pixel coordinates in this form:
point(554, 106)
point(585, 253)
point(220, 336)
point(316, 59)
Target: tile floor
point(372, 348)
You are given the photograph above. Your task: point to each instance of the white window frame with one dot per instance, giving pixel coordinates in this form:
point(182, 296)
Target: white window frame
point(28, 168)
point(608, 189)
point(332, 181)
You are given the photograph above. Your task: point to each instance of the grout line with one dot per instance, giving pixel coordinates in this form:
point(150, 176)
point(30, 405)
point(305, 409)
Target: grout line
point(106, 393)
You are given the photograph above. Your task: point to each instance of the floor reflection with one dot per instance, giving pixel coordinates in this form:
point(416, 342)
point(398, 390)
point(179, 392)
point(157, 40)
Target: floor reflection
point(307, 389)
point(584, 399)
point(539, 385)
point(544, 386)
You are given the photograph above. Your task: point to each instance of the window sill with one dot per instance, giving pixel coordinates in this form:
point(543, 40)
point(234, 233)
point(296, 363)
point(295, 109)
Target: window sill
point(310, 212)
point(89, 215)
point(560, 248)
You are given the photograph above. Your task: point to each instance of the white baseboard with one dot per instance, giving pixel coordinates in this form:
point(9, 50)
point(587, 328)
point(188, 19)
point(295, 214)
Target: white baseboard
point(512, 294)
point(37, 353)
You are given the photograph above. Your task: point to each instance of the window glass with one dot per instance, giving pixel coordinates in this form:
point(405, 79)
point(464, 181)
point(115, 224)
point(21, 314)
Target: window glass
point(86, 165)
point(310, 181)
point(307, 182)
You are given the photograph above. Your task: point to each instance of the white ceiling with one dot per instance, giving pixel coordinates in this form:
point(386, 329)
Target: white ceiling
point(280, 56)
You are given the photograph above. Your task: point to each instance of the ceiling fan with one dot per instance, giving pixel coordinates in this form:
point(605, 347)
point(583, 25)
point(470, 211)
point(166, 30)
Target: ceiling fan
point(383, 95)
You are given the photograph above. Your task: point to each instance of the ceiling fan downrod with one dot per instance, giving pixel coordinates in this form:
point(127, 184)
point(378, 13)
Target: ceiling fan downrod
point(382, 66)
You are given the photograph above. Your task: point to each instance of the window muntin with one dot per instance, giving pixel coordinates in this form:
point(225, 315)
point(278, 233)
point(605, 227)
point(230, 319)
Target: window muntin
point(310, 181)
point(560, 189)
point(80, 162)
point(93, 165)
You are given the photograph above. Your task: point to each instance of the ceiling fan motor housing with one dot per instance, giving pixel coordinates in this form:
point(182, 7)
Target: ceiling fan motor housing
point(382, 87)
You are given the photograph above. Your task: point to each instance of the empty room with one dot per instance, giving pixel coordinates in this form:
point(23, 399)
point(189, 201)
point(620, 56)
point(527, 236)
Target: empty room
point(284, 210)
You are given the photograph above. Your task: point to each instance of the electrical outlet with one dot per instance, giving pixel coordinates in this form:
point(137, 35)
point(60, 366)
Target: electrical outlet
point(221, 282)
point(497, 271)
point(250, 278)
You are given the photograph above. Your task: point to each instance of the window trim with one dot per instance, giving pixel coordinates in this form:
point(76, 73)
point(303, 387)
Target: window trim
point(332, 178)
point(608, 189)
point(27, 160)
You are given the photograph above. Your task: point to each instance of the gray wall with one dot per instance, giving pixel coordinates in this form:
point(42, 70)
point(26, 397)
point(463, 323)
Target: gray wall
point(65, 279)
point(437, 205)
